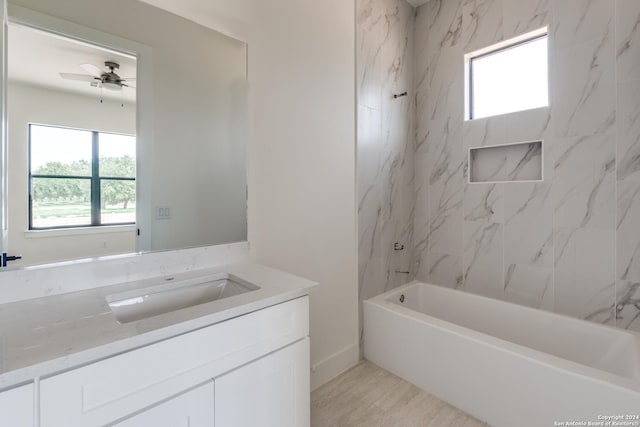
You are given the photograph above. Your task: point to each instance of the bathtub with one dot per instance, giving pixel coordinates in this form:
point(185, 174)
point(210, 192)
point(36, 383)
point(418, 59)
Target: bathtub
point(503, 363)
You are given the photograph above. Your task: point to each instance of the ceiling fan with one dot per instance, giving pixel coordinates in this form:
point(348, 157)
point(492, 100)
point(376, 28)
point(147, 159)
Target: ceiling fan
point(107, 79)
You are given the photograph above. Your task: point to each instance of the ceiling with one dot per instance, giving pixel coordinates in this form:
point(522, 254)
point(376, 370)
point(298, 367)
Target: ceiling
point(230, 17)
point(38, 58)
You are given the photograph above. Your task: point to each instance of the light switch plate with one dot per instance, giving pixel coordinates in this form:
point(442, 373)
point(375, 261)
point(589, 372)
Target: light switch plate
point(163, 212)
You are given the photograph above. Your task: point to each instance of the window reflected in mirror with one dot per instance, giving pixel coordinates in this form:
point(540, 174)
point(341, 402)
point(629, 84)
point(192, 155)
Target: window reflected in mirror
point(80, 178)
point(71, 110)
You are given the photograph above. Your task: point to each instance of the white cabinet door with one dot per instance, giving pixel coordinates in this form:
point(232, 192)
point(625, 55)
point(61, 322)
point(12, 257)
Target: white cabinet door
point(194, 408)
point(16, 407)
point(270, 392)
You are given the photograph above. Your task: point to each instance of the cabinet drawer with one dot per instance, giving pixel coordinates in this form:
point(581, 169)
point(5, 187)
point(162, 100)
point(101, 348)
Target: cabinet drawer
point(108, 390)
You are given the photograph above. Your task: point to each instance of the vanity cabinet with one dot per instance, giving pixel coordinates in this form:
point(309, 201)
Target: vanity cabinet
point(193, 408)
point(16, 407)
point(272, 391)
point(254, 367)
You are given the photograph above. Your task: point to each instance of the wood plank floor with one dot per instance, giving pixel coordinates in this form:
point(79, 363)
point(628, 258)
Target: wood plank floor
point(369, 396)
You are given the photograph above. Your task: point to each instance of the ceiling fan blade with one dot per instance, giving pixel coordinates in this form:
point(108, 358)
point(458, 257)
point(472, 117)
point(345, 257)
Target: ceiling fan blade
point(128, 79)
point(81, 77)
point(126, 85)
point(92, 69)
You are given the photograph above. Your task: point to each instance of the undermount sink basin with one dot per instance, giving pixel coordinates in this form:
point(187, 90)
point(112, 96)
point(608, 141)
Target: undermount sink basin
point(139, 304)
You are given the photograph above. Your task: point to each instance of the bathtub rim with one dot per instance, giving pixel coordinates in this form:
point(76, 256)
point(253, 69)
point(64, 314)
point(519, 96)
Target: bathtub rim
point(549, 360)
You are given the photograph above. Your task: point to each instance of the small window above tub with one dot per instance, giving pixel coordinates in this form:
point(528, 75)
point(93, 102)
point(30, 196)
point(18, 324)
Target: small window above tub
point(507, 77)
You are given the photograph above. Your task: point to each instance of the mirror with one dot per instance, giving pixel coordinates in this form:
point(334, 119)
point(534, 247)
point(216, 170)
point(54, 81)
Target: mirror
point(56, 100)
point(181, 100)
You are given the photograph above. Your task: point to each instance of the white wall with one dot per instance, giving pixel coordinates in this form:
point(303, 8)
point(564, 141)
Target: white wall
point(31, 104)
point(302, 214)
point(302, 211)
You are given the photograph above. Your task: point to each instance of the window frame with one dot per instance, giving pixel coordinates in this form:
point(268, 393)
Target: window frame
point(496, 49)
point(95, 178)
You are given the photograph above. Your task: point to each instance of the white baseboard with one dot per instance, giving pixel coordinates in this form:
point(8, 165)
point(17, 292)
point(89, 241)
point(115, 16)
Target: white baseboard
point(327, 369)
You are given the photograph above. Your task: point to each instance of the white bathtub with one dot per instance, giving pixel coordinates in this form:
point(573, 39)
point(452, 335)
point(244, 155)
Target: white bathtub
point(503, 363)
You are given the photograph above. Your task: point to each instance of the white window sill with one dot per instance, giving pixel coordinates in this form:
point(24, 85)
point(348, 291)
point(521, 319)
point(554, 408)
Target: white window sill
point(65, 232)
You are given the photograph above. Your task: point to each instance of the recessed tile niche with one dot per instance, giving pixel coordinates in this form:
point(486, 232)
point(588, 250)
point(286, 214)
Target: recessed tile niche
point(520, 161)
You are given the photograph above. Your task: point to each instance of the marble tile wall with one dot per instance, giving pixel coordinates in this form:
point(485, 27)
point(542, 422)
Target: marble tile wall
point(627, 175)
point(570, 243)
point(385, 144)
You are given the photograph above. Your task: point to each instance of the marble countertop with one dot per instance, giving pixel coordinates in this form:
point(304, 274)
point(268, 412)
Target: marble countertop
point(41, 337)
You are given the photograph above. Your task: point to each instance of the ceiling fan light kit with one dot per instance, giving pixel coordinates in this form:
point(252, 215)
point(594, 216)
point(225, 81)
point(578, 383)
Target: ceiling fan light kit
point(112, 86)
point(108, 79)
